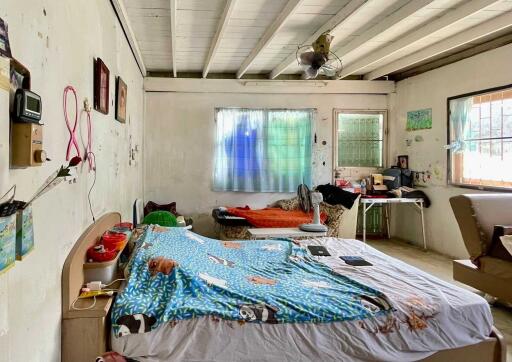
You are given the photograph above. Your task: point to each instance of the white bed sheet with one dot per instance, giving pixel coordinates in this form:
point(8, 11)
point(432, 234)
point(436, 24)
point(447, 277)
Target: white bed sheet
point(431, 315)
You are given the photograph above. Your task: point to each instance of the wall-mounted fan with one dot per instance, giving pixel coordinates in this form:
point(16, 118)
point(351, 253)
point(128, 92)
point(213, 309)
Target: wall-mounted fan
point(317, 58)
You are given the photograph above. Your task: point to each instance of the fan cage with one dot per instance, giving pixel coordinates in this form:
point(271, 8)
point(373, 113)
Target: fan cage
point(332, 57)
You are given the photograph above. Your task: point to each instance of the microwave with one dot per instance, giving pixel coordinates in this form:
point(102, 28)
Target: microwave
point(27, 106)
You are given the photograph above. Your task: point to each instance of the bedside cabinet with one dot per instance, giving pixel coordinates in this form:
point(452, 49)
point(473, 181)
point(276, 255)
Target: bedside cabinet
point(85, 333)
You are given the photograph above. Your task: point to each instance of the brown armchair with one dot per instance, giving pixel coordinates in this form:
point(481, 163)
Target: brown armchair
point(477, 214)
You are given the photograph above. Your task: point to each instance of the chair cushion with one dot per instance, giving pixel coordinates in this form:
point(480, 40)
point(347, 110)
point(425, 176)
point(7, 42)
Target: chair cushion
point(469, 228)
point(489, 211)
point(497, 267)
point(334, 217)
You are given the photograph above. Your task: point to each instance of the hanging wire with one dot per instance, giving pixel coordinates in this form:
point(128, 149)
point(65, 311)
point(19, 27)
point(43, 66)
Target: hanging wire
point(90, 153)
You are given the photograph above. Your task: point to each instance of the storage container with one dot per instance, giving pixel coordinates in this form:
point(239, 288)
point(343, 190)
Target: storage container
point(105, 272)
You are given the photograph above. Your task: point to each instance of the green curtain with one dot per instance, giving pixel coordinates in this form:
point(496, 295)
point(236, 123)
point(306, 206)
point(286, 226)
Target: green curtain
point(262, 150)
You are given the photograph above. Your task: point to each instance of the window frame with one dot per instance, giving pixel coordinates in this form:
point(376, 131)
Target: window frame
point(336, 112)
point(448, 141)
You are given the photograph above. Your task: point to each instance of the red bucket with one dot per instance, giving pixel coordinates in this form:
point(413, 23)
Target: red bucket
point(97, 254)
point(113, 240)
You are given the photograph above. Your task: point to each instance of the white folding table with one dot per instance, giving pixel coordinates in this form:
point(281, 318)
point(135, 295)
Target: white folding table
point(367, 204)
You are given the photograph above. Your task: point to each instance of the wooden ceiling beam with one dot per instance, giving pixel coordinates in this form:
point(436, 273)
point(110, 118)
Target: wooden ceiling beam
point(173, 38)
point(484, 29)
point(269, 34)
point(122, 14)
point(221, 27)
point(485, 46)
point(465, 10)
point(408, 9)
point(334, 22)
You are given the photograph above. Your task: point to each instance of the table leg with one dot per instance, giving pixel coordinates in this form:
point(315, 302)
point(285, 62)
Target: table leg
point(423, 226)
point(364, 223)
point(387, 209)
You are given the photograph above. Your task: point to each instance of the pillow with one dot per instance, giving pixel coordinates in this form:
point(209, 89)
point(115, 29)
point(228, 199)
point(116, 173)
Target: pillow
point(287, 204)
point(153, 206)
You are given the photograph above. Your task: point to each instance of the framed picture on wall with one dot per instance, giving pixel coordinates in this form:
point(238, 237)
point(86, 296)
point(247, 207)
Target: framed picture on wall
point(5, 48)
point(101, 86)
point(121, 98)
point(419, 119)
point(403, 161)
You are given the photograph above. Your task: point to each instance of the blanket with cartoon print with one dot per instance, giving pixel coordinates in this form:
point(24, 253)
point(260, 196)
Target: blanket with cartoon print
point(177, 275)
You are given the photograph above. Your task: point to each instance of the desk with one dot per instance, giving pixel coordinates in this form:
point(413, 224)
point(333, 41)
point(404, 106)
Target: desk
point(264, 233)
point(367, 204)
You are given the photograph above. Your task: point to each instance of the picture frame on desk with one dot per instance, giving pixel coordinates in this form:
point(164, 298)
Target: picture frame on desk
point(403, 161)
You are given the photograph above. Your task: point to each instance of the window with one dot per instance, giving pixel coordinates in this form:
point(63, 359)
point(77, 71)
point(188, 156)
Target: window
point(359, 138)
point(262, 150)
point(480, 139)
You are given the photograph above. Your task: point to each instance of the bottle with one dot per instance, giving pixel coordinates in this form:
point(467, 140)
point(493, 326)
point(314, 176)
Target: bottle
point(363, 187)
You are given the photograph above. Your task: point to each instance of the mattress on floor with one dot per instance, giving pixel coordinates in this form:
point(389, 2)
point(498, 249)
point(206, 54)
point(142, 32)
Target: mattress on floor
point(428, 315)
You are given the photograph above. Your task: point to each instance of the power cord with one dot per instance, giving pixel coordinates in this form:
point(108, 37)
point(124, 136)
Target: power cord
point(108, 285)
point(95, 286)
point(86, 308)
point(88, 155)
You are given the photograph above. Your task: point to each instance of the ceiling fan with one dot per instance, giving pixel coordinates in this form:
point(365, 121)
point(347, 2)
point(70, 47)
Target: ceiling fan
point(317, 58)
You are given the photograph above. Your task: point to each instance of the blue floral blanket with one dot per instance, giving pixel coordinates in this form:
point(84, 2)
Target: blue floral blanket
point(176, 275)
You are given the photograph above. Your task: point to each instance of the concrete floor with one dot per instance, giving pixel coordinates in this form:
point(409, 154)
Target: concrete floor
point(441, 267)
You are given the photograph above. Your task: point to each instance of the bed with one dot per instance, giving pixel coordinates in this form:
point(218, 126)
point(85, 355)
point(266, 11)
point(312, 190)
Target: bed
point(323, 309)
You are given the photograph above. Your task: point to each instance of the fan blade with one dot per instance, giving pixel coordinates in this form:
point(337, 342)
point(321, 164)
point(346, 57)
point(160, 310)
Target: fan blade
point(329, 70)
point(311, 73)
point(306, 58)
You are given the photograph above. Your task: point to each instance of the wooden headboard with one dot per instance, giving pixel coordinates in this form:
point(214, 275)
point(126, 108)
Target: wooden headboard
point(73, 271)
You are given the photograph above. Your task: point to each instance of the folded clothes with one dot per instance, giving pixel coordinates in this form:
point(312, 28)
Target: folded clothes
point(274, 217)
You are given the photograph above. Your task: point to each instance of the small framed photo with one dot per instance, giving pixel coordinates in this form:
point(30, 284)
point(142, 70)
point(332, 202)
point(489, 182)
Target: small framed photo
point(5, 47)
point(101, 86)
point(121, 98)
point(403, 161)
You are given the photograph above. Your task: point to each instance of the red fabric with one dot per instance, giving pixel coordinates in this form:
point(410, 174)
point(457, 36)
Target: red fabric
point(275, 217)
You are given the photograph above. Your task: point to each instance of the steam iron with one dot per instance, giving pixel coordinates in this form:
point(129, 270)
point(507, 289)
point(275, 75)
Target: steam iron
point(316, 226)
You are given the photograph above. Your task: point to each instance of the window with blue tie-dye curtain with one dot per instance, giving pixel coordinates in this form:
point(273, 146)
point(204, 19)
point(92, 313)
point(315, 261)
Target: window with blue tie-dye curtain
point(262, 150)
point(480, 139)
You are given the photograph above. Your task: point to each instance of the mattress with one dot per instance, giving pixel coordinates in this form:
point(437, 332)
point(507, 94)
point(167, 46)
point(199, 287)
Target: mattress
point(428, 315)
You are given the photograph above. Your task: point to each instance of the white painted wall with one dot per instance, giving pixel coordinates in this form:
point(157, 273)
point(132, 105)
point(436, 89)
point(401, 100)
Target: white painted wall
point(430, 90)
point(59, 48)
point(179, 145)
